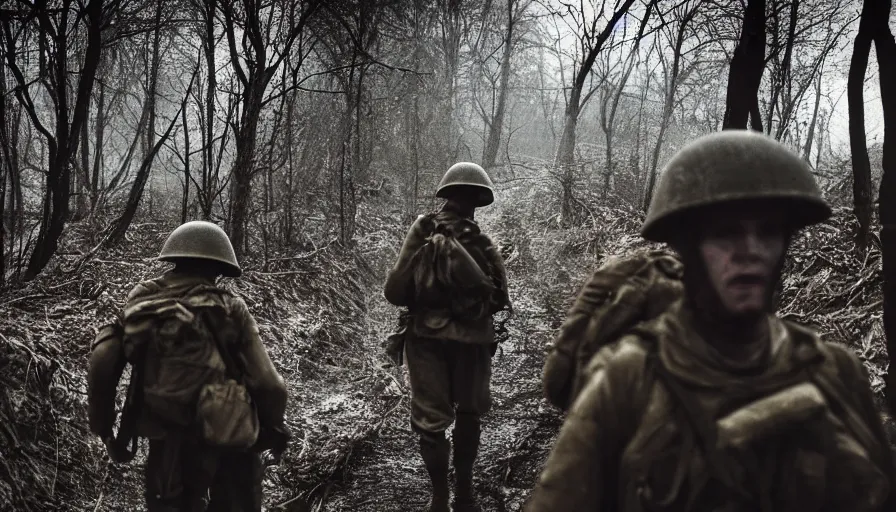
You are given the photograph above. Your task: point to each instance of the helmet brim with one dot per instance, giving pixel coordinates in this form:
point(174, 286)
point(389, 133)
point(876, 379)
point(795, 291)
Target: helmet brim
point(226, 268)
point(481, 195)
point(800, 211)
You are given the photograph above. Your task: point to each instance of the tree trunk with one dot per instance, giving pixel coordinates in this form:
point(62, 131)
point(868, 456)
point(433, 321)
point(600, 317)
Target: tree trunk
point(121, 225)
point(566, 154)
point(187, 176)
point(82, 178)
point(810, 137)
point(608, 110)
point(861, 167)
point(745, 73)
point(668, 104)
point(885, 49)
point(65, 143)
point(783, 76)
point(208, 168)
point(495, 129)
point(244, 165)
point(99, 131)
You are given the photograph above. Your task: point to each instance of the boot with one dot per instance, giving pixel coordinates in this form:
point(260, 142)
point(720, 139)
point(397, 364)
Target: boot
point(466, 446)
point(435, 452)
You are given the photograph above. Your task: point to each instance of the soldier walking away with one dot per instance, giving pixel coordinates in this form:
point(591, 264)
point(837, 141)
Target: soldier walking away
point(203, 390)
point(717, 404)
point(451, 278)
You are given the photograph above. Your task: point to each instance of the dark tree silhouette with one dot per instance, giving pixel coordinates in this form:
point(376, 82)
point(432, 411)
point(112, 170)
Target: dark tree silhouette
point(745, 74)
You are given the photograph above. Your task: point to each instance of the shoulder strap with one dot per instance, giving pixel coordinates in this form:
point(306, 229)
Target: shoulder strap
point(704, 430)
point(233, 366)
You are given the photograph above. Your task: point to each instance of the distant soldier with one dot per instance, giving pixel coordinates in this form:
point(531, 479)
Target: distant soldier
point(452, 279)
point(717, 404)
point(203, 389)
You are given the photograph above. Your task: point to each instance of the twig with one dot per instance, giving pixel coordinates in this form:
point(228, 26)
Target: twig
point(306, 255)
point(283, 273)
point(25, 297)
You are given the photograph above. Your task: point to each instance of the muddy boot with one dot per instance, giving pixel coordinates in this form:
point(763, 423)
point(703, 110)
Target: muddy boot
point(435, 452)
point(466, 446)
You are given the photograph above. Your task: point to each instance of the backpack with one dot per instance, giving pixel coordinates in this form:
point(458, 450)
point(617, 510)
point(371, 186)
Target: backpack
point(451, 271)
point(621, 294)
point(183, 375)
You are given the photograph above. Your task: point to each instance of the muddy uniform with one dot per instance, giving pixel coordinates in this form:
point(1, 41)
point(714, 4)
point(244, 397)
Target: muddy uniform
point(449, 359)
point(628, 446)
point(179, 473)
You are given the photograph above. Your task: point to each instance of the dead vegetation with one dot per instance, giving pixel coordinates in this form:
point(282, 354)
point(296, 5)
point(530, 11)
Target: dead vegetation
point(323, 317)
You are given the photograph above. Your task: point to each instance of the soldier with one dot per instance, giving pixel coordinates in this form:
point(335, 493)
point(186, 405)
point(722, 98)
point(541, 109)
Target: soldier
point(190, 464)
point(717, 404)
point(451, 336)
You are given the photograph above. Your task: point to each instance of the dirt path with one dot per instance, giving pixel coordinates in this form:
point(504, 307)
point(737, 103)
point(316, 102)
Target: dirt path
point(386, 473)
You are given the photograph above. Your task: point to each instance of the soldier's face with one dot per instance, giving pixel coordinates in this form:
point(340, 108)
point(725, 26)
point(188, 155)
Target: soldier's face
point(742, 251)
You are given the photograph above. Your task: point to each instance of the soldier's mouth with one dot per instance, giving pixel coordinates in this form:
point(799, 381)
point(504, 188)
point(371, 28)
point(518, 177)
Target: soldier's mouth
point(746, 281)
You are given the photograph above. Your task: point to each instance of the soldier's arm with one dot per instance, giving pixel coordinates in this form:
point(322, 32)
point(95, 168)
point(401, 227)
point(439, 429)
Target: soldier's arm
point(106, 365)
point(400, 278)
point(265, 384)
point(581, 471)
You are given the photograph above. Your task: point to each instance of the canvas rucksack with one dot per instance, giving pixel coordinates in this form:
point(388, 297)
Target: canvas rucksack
point(621, 294)
point(451, 271)
point(183, 375)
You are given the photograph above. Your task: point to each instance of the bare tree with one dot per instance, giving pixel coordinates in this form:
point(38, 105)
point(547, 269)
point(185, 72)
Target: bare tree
point(590, 41)
point(494, 117)
point(54, 27)
point(267, 38)
point(673, 74)
point(151, 146)
point(745, 74)
point(861, 166)
point(885, 49)
point(610, 95)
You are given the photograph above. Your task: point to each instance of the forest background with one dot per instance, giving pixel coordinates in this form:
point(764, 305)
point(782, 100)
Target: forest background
point(315, 131)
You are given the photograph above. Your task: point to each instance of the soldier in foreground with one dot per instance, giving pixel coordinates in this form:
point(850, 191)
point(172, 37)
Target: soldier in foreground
point(717, 404)
point(203, 389)
point(451, 277)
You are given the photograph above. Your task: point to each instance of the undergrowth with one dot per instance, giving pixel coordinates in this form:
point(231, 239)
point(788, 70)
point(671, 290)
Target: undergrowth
point(322, 316)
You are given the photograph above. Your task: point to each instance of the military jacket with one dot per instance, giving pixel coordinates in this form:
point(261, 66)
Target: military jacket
point(264, 383)
point(629, 445)
point(399, 290)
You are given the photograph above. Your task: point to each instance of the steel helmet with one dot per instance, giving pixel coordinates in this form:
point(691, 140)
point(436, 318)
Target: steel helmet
point(200, 239)
point(732, 166)
point(464, 178)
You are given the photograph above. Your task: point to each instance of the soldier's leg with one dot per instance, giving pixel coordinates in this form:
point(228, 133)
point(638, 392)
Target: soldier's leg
point(238, 484)
point(177, 477)
point(432, 412)
point(163, 477)
point(471, 383)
